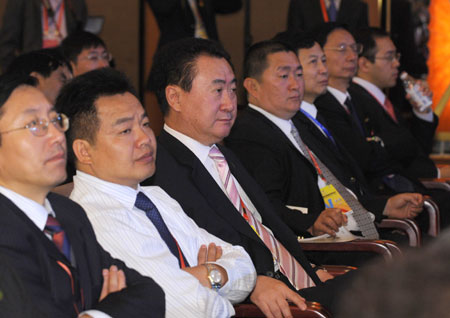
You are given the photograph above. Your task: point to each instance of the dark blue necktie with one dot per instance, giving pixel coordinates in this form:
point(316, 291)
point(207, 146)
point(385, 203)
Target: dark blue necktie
point(59, 237)
point(145, 204)
point(332, 11)
point(352, 112)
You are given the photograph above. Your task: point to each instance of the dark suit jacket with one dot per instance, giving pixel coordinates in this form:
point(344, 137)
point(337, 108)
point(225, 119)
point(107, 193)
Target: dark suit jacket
point(285, 174)
point(35, 257)
point(176, 20)
point(410, 146)
point(371, 157)
point(22, 29)
point(307, 14)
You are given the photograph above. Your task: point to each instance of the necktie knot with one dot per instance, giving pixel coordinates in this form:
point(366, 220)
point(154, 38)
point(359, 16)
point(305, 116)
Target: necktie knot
point(52, 225)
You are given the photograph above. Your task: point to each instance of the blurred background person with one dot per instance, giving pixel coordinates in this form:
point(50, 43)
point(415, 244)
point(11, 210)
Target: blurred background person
point(34, 24)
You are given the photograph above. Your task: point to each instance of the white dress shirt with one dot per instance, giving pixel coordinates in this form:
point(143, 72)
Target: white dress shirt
point(378, 94)
point(126, 232)
point(38, 214)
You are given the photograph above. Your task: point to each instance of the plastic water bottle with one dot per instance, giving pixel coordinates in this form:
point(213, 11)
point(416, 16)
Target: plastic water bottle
point(412, 87)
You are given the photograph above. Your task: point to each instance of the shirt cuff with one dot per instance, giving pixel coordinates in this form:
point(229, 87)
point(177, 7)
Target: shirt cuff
point(424, 116)
point(94, 314)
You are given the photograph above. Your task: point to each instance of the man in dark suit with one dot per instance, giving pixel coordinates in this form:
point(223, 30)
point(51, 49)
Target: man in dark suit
point(47, 238)
point(377, 70)
point(195, 86)
point(178, 19)
point(308, 14)
point(287, 172)
point(352, 123)
point(22, 29)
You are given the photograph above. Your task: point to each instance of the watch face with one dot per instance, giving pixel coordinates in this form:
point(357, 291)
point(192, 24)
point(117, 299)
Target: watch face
point(216, 276)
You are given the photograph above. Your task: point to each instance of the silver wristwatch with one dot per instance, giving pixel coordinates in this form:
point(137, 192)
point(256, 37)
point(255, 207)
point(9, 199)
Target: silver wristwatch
point(214, 276)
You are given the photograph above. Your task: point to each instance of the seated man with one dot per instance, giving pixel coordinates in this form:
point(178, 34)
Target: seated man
point(48, 66)
point(47, 238)
point(86, 52)
point(114, 149)
point(195, 86)
point(295, 173)
point(378, 65)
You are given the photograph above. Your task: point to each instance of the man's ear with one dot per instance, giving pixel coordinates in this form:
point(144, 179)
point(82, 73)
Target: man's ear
point(173, 96)
point(39, 77)
point(364, 64)
point(82, 150)
point(252, 87)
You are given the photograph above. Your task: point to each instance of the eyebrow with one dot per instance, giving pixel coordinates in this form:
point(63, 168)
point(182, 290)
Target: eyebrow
point(127, 119)
point(221, 81)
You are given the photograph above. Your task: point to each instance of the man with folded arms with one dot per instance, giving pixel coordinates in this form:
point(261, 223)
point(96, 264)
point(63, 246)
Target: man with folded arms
point(114, 149)
point(47, 238)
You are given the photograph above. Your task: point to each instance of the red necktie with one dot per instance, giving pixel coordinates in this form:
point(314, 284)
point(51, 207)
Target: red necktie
point(389, 108)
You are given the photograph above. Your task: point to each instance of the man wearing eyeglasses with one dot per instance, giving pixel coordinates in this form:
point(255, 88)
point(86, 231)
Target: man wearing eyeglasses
point(86, 52)
point(47, 238)
point(378, 69)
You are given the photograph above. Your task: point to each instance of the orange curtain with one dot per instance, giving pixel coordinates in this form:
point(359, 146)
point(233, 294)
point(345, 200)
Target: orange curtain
point(439, 59)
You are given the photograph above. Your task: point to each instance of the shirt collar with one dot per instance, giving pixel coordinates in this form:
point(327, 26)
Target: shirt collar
point(374, 90)
point(311, 109)
point(36, 212)
point(200, 150)
point(283, 124)
point(124, 194)
point(340, 96)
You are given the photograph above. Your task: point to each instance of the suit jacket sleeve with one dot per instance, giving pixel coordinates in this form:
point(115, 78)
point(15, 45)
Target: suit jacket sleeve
point(141, 298)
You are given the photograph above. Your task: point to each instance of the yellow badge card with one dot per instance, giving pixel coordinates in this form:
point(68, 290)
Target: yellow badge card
point(333, 199)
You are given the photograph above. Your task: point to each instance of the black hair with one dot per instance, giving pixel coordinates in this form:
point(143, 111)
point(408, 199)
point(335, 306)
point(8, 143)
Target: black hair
point(9, 82)
point(296, 40)
point(367, 37)
point(175, 64)
point(76, 42)
point(77, 100)
point(43, 62)
point(322, 31)
point(255, 61)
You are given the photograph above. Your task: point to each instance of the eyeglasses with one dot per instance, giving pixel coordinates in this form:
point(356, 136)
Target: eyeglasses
point(39, 127)
point(95, 57)
point(355, 47)
point(390, 57)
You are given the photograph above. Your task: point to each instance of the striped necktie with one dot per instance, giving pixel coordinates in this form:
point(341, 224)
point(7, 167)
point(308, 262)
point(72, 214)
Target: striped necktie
point(59, 237)
point(360, 214)
point(288, 264)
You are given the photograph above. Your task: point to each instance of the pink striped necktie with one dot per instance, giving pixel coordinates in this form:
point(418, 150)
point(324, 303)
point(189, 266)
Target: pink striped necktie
point(288, 264)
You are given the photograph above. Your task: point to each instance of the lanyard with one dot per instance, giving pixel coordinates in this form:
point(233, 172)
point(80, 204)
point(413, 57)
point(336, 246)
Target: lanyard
point(316, 165)
point(324, 11)
point(324, 129)
point(60, 10)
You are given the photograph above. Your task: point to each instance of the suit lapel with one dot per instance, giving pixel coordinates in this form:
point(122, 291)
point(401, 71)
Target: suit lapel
point(207, 186)
point(80, 250)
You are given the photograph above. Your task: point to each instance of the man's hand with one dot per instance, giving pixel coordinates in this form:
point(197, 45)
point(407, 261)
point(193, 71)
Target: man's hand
point(113, 281)
point(272, 296)
point(329, 222)
point(404, 206)
point(324, 275)
point(205, 255)
point(425, 90)
point(444, 171)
